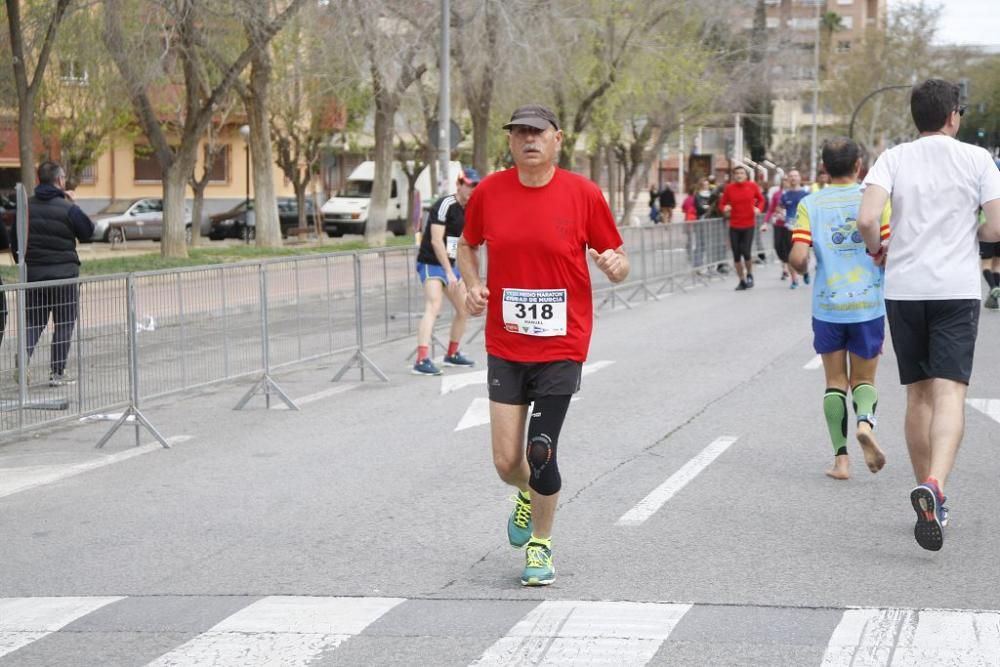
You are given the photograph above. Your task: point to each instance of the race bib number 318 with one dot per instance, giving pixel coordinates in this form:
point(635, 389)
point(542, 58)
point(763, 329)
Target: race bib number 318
point(535, 312)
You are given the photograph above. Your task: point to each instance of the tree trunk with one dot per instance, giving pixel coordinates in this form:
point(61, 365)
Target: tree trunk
point(481, 140)
point(175, 180)
point(26, 141)
point(268, 228)
point(300, 201)
point(385, 114)
point(197, 206)
point(609, 155)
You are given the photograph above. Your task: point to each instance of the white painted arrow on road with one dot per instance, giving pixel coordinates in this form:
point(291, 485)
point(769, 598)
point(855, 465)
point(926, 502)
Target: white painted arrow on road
point(988, 406)
point(478, 412)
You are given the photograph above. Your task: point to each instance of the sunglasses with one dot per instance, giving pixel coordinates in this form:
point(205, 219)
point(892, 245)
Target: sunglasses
point(961, 109)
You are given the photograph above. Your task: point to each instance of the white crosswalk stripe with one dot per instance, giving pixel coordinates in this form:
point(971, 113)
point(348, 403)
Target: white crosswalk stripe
point(283, 631)
point(586, 633)
point(26, 620)
point(913, 638)
point(291, 630)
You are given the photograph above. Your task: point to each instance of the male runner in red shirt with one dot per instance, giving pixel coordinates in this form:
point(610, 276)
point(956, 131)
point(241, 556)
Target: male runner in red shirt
point(539, 224)
point(742, 200)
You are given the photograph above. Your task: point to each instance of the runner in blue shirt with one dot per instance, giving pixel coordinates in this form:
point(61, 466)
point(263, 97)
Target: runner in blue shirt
point(848, 308)
point(790, 199)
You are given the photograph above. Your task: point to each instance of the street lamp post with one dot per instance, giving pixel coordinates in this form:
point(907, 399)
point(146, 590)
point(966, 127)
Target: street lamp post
point(854, 116)
point(245, 133)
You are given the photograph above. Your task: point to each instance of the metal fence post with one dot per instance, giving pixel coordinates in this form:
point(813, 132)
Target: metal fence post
point(359, 358)
point(133, 376)
point(266, 382)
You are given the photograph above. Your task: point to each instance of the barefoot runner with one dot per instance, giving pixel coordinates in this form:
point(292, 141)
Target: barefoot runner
point(847, 306)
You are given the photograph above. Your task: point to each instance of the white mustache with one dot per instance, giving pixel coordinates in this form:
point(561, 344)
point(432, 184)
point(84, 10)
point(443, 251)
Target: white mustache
point(532, 147)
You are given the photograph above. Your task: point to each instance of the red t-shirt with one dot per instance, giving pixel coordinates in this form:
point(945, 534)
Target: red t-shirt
point(744, 198)
point(537, 270)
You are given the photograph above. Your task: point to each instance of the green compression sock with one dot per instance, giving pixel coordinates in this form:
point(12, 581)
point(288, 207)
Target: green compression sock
point(865, 398)
point(835, 409)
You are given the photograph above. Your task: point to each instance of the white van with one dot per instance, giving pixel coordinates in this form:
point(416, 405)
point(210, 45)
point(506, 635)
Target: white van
point(347, 211)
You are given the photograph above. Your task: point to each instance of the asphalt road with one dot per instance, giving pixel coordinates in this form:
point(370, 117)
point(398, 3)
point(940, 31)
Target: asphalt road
point(368, 528)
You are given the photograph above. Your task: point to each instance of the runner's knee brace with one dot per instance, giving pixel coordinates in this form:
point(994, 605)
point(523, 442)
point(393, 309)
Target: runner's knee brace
point(547, 415)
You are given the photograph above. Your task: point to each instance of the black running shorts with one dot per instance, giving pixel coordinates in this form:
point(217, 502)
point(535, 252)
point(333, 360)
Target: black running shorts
point(520, 383)
point(741, 241)
point(989, 250)
point(782, 242)
point(933, 339)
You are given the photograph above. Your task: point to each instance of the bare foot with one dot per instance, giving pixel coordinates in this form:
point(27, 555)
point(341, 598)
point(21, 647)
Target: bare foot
point(840, 469)
point(874, 457)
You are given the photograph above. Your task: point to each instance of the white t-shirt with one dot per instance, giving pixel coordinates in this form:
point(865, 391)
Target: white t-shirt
point(937, 185)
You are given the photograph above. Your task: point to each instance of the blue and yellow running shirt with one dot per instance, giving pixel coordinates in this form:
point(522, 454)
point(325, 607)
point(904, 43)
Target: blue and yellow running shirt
point(849, 286)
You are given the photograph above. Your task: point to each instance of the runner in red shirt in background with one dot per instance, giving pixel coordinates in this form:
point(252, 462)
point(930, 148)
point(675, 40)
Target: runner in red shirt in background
point(742, 200)
point(539, 224)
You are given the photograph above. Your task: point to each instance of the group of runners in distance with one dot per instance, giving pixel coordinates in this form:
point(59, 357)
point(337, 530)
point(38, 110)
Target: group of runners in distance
point(901, 245)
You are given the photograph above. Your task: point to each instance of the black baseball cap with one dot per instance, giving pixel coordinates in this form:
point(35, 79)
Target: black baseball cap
point(533, 115)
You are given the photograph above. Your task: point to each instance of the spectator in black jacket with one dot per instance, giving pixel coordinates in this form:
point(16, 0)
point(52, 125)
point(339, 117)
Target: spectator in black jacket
point(668, 202)
point(55, 224)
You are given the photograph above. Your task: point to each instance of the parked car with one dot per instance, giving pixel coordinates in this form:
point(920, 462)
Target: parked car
point(135, 219)
point(233, 223)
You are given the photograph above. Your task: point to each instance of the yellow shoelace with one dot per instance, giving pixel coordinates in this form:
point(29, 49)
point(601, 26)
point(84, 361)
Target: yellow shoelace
point(538, 556)
point(522, 512)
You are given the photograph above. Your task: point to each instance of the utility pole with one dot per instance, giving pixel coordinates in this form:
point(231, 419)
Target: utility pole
point(812, 145)
point(444, 104)
point(680, 165)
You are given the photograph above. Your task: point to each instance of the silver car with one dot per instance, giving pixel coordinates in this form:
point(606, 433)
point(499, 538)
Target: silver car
point(135, 219)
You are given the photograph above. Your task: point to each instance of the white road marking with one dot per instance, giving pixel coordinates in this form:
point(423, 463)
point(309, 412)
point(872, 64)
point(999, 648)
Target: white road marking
point(450, 383)
point(478, 413)
point(15, 480)
point(988, 406)
point(280, 630)
point(568, 633)
point(814, 363)
point(26, 620)
point(595, 366)
point(318, 396)
point(664, 492)
point(913, 638)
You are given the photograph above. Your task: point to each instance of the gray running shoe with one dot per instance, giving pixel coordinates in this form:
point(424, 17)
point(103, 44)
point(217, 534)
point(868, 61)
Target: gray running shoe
point(993, 300)
point(61, 379)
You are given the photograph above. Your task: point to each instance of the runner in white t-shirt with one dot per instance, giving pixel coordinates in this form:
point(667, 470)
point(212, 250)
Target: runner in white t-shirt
point(932, 290)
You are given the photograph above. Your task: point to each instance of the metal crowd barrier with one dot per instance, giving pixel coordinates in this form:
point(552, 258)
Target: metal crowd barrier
point(122, 340)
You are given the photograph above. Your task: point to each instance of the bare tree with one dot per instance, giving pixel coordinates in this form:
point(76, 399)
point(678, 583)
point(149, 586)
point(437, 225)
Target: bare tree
point(28, 84)
point(391, 45)
point(181, 25)
point(316, 91)
point(75, 123)
point(214, 149)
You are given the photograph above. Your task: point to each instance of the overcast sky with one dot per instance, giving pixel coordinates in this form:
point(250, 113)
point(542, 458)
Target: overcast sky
point(967, 21)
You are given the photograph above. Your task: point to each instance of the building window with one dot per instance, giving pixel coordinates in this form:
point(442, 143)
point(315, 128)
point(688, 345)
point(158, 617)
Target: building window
point(144, 165)
point(73, 71)
point(802, 23)
point(219, 174)
point(847, 22)
point(843, 46)
point(845, 2)
point(773, 22)
point(88, 175)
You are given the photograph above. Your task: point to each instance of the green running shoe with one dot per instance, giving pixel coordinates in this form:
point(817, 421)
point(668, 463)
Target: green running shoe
point(538, 569)
point(519, 522)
